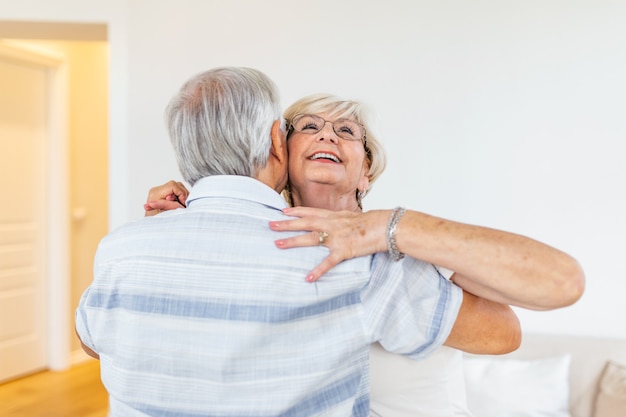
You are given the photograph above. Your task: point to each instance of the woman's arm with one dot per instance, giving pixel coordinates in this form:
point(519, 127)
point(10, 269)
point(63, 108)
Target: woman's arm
point(501, 266)
point(485, 327)
point(493, 264)
point(481, 327)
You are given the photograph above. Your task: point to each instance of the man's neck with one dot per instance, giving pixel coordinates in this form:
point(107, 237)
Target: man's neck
point(272, 179)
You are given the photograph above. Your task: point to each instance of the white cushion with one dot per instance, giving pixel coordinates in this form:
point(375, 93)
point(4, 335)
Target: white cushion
point(432, 387)
point(498, 387)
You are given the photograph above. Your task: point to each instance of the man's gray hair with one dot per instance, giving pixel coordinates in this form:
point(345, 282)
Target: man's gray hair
point(220, 121)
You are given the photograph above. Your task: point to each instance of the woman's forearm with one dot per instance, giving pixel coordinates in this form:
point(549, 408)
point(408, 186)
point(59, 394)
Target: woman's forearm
point(501, 266)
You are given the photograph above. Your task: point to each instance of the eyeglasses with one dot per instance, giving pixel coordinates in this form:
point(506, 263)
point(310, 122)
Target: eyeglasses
point(311, 124)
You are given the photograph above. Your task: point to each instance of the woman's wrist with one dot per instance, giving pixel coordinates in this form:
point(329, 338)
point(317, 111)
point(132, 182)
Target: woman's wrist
point(392, 246)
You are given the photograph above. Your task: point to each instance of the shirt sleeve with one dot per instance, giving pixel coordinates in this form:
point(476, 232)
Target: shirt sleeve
point(447, 273)
point(81, 324)
point(410, 306)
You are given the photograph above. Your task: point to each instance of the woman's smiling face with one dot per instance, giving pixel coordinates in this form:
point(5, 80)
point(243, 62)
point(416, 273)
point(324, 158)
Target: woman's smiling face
point(322, 157)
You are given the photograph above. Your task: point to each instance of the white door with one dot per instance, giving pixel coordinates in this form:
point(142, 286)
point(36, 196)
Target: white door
point(23, 128)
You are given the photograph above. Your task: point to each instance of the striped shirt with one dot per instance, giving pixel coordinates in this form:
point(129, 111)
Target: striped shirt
point(195, 312)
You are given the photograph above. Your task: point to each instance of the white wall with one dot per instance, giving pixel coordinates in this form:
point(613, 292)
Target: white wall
point(505, 114)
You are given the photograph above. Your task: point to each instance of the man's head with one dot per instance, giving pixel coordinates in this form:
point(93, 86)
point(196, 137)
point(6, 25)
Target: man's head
point(226, 121)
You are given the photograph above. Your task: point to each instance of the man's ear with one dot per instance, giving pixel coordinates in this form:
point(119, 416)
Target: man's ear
point(279, 142)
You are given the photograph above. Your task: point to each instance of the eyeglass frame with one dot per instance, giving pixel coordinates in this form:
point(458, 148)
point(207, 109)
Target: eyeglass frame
point(291, 128)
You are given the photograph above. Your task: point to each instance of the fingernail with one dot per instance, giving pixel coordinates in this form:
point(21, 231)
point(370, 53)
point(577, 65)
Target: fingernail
point(280, 243)
point(310, 278)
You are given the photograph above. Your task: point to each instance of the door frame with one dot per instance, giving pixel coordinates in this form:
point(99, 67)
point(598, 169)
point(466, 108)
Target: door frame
point(57, 227)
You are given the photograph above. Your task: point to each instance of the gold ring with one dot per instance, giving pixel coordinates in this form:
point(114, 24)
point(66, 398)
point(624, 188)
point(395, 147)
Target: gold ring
point(322, 237)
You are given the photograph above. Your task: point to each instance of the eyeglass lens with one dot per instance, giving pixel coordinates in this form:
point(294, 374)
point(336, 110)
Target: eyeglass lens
point(344, 128)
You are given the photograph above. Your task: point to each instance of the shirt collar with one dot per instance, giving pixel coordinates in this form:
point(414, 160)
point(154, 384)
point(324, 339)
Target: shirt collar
point(235, 186)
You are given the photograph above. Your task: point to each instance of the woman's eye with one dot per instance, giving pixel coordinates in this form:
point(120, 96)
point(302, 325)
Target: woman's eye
point(310, 126)
point(346, 130)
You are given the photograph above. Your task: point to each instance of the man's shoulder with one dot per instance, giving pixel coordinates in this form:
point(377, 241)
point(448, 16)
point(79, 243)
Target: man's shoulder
point(384, 263)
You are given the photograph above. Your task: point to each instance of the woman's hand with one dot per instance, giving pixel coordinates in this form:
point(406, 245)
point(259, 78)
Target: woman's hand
point(350, 234)
point(169, 196)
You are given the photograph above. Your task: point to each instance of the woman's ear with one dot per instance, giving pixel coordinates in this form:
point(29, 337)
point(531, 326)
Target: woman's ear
point(364, 181)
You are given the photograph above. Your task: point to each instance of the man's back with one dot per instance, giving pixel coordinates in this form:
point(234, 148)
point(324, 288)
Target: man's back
point(196, 312)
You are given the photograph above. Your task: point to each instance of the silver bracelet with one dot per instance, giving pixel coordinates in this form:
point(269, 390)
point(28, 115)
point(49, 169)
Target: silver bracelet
point(392, 247)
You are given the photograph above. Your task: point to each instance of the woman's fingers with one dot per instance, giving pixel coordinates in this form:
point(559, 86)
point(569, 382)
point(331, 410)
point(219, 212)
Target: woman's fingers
point(327, 264)
point(308, 212)
point(155, 207)
point(346, 234)
point(170, 190)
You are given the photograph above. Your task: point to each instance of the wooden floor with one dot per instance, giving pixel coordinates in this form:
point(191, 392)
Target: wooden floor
point(77, 392)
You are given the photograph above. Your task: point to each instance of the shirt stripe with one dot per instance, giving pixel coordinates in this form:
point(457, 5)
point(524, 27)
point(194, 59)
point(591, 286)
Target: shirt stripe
point(273, 313)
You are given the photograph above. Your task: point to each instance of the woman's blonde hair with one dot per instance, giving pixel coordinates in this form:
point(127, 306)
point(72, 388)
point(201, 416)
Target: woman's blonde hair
point(341, 108)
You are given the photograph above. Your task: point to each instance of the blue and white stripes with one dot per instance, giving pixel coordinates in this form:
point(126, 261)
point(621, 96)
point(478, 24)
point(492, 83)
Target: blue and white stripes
point(195, 312)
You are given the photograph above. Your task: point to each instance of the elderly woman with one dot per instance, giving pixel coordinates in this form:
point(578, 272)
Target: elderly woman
point(333, 162)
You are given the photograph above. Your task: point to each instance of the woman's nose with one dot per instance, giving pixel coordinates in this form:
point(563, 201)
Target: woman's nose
point(328, 132)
